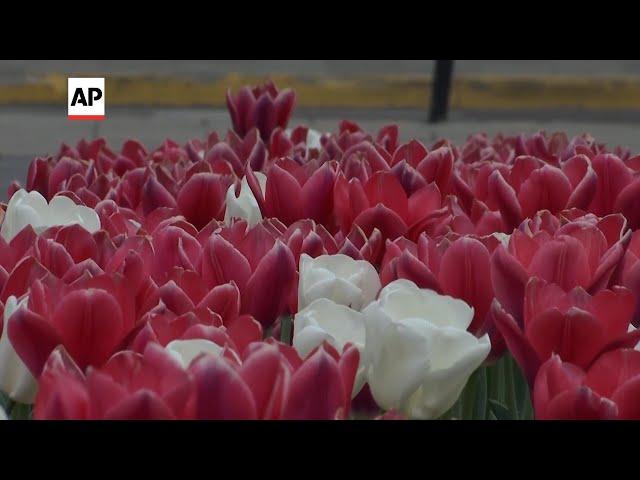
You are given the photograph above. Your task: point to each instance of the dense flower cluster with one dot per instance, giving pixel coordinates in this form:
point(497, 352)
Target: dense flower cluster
point(278, 273)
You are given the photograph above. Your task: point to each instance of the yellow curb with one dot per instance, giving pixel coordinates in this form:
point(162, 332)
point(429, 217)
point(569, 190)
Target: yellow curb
point(486, 92)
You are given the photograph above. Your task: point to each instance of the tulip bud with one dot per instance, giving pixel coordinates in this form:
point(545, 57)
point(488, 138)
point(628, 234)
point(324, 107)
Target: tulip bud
point(354, 283)
point(244, 206)
point(418, 352)
point(185, 351)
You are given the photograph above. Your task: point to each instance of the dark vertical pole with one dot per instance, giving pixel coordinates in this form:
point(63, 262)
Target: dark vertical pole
point(441, 89)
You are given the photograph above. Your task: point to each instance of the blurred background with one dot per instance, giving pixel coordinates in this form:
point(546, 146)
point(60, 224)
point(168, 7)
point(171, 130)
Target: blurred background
point(152, 100)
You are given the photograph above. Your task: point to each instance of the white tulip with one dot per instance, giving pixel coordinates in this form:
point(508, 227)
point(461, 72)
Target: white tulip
point(313, 138)
point(31, 208)
point(186, 351)
point(324, 320)
point(349, 282)
point(418, 353)
point(15, 378)
point(245, 205)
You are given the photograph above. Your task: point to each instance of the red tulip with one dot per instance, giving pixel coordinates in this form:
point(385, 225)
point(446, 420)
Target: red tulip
point(613, 176)
point(609, 389)
point(270, 286)
point(531, 186)
point(382, 203)
point(577, 326)
point(117, 220)
point(90, 318)
point(270, 382)
point(263, 107)
point(291, 194)
point(175, 248)
point(630, 275)
point(584, 252)
point(163, 327)
point(201, 199)
point(539, 145)
point(256, 389)
point(155, 195)
point(326, 377)
point(221, 262)
point(130, 386)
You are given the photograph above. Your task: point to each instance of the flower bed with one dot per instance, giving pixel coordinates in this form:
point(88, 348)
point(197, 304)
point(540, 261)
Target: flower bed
point(279, 273)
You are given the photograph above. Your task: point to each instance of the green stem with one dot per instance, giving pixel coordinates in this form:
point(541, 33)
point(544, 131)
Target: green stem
point(21, 411)
point(286, 324)
point(468, 396)
point(480, 400)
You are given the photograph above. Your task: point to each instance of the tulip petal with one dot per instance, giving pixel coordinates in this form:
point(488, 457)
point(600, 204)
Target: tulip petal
point(222, 394)
point(243, 330)
point(223, 300)
point(268, 380)
point(90, 324)
point(154, 195)
point(546, 189)
point(33, 338)
point(389, 223)
point(283, 197)
point(267, 291)
point(505, 198)
point(383, 188)
point(222, 263)
point(563, 262)
point(316, 391)
point(613, 177)
point(464, 270)
point(201, 199)
point(141, 405)
point(575, 335)
point(628, 203)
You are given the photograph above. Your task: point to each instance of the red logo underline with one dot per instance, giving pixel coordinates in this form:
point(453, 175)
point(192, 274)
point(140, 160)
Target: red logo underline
point(86, 117)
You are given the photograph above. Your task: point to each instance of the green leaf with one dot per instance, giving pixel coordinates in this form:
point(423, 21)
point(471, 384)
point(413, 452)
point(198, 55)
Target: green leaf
point(499, 410)
point(457, 409)
point(523, 397)
point(21, 411)
point(480, 403)
point(511, 370)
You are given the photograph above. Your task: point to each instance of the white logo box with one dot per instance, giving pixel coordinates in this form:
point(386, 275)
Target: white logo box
point(85, 99)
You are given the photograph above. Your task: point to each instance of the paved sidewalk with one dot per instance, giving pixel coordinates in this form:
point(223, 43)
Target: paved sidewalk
point(29, 131)
point(12, 71)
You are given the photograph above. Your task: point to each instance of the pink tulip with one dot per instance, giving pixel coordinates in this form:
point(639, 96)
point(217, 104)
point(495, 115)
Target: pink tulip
point(263, 107)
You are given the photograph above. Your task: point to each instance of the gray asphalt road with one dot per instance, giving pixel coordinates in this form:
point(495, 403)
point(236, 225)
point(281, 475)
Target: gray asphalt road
point(28, 131)
point(12, 71)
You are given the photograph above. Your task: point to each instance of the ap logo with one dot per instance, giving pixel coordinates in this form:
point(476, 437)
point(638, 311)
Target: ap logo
point(85, 98)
